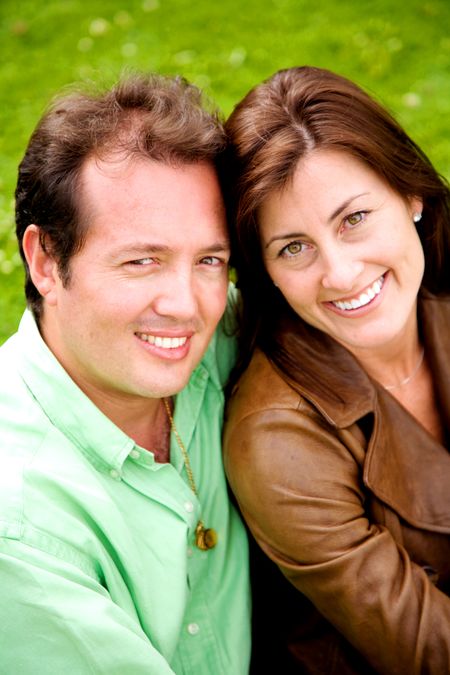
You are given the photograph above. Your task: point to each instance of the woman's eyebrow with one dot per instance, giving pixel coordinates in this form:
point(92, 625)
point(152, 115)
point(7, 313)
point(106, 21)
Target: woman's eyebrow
point(344, 205)
point(288, 235)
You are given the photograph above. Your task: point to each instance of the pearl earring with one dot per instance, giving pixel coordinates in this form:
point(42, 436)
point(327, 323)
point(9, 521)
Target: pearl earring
point(417, 217)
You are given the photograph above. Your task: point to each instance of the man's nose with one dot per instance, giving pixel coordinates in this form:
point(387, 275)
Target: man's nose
point(177, 296)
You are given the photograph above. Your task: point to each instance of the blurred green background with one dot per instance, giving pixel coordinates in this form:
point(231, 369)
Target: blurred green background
point(399, 51)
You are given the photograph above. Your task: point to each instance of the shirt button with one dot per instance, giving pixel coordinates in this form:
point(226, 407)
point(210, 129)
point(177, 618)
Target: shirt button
point(190, 552)
point(114, 474)
point(189, 506)
point(135, 454)
point(193, 628)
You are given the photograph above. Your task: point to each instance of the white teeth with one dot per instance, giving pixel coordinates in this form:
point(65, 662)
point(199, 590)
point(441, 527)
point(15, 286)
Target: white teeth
point(363, 299)
point(164, 342)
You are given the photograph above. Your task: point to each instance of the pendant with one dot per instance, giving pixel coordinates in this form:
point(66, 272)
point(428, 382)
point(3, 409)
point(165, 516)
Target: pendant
point(205, 537)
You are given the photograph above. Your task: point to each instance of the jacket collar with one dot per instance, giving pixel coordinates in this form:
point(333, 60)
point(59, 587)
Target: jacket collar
point(405, 467)
point(342, 391)
point(401, 456)
point(347, 393)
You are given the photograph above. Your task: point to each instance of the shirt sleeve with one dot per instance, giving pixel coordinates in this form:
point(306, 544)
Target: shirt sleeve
point(55, 619)
point(300, 489)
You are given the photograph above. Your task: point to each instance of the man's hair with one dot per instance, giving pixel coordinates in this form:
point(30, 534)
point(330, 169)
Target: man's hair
point(143, 116)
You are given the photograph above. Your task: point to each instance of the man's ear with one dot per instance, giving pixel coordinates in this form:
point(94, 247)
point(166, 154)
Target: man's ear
point(43, 267)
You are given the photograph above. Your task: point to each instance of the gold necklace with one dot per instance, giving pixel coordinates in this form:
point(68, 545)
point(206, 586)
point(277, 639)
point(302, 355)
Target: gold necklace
point(389, 387)
point(205, 537)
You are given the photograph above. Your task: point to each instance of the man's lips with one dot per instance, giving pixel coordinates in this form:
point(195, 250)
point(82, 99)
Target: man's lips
point(163, 341)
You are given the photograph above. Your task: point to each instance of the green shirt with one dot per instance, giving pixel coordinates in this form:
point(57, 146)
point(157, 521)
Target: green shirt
point(98, 568)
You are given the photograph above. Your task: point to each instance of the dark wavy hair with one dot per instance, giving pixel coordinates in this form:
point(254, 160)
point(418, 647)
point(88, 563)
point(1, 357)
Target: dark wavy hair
point(143, 115)
point(278, 123)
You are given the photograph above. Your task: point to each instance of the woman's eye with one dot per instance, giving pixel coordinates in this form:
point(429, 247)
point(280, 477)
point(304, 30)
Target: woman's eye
point(292, 249)
point(355, 218)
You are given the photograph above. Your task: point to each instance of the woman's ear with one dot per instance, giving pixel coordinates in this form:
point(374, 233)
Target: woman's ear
point(416, 206)
point(43, 268)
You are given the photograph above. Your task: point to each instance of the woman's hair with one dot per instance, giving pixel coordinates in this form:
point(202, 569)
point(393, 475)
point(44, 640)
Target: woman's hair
point(279, 122)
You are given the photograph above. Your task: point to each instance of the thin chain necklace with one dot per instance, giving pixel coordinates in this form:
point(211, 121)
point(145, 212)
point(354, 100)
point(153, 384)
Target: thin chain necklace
point(389, 387)
point(205, 537)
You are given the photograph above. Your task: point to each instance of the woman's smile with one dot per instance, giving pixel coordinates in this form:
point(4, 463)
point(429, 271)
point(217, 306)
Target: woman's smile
point(340, 243)
point(348, 305)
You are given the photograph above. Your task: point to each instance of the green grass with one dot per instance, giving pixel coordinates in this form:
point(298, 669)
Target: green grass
point(398, 51)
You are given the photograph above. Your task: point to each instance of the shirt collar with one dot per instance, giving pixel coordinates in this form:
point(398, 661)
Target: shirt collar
point(78, 418)
point(67, 407)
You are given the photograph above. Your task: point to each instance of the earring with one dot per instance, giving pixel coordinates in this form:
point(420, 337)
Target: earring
point(417, 217)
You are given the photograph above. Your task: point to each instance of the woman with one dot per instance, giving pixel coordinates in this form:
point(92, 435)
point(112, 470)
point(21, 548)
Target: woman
point(338, 431)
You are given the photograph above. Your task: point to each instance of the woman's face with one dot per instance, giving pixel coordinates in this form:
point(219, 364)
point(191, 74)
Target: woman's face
point(342, 248)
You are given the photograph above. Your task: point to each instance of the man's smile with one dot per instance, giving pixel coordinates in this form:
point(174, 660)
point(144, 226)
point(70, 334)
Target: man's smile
point(161, 341)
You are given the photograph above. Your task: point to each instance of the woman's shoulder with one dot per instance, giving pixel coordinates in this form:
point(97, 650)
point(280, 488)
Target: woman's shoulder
point(261, 387)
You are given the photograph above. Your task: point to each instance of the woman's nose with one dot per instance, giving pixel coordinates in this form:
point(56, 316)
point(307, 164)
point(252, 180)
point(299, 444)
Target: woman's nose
point(341, 271)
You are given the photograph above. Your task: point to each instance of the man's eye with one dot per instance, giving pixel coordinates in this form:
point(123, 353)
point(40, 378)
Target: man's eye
point(142, 261)
point(212, 260)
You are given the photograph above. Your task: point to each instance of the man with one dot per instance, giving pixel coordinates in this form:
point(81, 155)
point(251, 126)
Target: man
point(119, 550)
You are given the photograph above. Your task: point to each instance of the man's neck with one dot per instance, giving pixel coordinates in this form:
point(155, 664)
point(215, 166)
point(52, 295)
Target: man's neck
point(149, 427)
point(142, 419)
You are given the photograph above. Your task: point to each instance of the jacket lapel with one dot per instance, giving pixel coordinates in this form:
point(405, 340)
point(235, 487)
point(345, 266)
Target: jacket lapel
point(401, 457)
point(405, 467)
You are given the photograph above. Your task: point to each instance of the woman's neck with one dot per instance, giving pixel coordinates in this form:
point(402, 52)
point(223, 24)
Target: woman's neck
point(394, 364)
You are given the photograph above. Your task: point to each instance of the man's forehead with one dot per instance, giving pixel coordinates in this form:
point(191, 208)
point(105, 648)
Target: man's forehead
point(120, 165)
point(143, 182)
point(152, 203)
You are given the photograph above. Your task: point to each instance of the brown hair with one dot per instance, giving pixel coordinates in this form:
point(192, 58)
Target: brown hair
point(150, 116)
point(271, 129)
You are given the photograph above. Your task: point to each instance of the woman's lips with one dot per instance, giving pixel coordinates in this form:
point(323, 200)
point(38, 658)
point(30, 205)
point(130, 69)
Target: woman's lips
point(364, 298)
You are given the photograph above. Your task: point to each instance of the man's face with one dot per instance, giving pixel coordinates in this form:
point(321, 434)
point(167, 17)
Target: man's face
point(149, 285)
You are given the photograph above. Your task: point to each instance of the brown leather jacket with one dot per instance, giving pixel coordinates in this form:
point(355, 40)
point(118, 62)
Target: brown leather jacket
point(352, 502)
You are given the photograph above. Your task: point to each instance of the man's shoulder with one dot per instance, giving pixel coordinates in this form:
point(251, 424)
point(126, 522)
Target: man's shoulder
point(221, 354)
point(13, 391)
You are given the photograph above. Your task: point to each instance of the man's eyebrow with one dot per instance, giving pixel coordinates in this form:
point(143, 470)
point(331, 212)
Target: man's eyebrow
point(153, 247)
point(217, 247)
point(140, 248)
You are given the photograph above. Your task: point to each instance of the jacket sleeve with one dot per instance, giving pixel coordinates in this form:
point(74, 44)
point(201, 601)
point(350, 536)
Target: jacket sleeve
point(55, 619)
point(299, 486)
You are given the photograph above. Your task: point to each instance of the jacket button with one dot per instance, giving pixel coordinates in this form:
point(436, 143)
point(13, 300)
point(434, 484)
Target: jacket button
point(431, 573)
